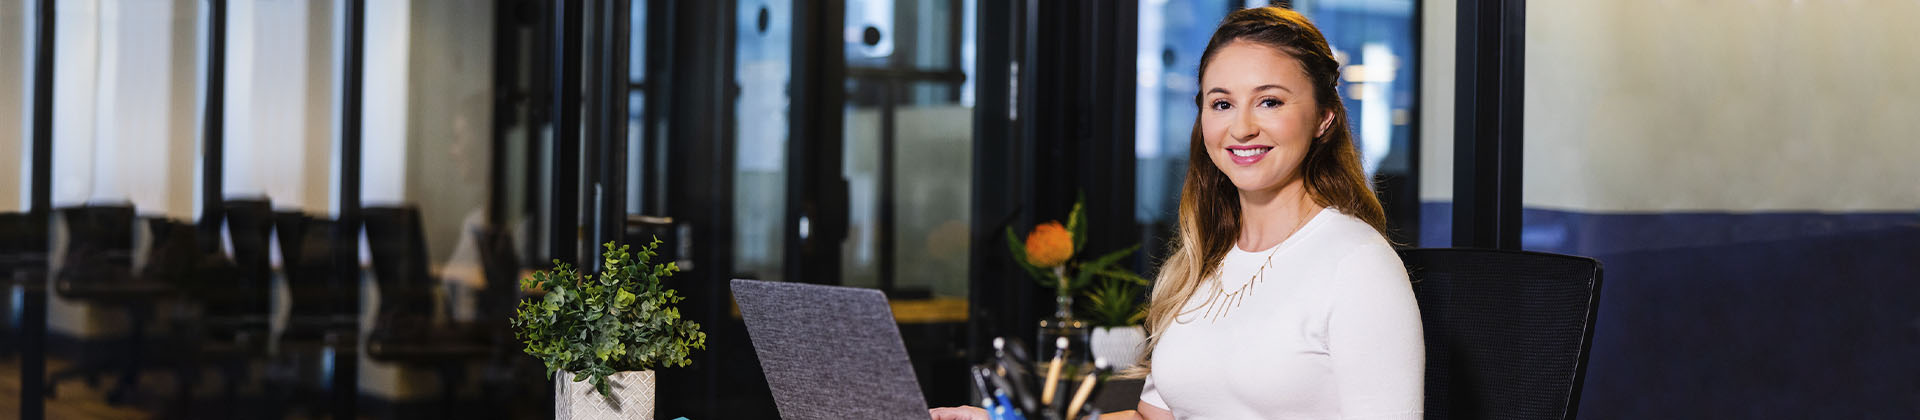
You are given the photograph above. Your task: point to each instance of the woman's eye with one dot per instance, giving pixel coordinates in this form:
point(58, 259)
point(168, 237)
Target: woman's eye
point(1221, 105)
point(1270, 103)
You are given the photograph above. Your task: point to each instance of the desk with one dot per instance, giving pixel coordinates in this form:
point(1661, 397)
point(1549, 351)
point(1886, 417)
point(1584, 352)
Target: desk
point(1119, 395)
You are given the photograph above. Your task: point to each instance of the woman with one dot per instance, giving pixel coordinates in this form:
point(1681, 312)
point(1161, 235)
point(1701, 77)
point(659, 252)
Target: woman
point(1281, 299)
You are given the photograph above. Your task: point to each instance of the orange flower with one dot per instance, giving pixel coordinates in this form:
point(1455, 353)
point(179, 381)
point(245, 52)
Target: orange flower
point(1049, 245)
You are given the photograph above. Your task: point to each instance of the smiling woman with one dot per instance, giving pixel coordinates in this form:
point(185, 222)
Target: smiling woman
point(1280, 270)
point(1281, 298)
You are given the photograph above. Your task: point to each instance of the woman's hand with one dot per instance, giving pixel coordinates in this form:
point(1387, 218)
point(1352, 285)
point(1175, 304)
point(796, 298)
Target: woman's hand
point(959, 413)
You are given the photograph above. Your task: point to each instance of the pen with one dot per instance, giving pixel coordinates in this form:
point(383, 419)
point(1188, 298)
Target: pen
point(1086, 387)
point(1053, 371)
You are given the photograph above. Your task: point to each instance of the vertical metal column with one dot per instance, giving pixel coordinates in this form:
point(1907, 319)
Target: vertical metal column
point(1488, 122)
point(616, 36)
point(606, 138)
point(213, 127)
point(506, 54)
point(344, 383)
point(33, 361)
point(593, 125)
point(564, 204)
point(42, 189)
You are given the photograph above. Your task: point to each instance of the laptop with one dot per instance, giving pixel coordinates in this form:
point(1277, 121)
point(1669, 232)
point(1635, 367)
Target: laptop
point(829, 352)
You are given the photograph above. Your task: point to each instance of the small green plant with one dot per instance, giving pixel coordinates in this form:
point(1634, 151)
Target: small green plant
point(1115, 302)
point(623, 320)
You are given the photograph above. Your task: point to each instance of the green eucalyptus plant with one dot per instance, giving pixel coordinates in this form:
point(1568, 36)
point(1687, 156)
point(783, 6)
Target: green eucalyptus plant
point(620, 320)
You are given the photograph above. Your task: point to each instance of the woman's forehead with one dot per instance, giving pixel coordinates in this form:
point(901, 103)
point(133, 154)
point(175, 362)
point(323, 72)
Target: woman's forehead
point(1241, 66)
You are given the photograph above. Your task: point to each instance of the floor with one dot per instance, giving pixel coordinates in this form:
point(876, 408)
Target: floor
point(76, 400)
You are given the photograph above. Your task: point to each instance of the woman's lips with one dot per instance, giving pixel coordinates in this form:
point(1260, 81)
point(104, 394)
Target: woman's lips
point(1247, 155)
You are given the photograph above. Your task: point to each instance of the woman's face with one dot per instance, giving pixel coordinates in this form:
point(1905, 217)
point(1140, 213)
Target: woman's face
point(1258, 115)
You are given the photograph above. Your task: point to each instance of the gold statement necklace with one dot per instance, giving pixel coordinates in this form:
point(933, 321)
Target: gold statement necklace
point(1220, 302)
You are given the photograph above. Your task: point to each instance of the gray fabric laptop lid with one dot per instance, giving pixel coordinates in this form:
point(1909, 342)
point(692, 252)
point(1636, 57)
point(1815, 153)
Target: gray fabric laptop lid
point(829, 352)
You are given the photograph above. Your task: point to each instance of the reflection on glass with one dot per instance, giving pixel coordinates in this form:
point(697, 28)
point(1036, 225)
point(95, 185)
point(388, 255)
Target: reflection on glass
point(763, 57)
point(908, 149)
point(1374, 42)
point(1172, 35)
point(636, 111)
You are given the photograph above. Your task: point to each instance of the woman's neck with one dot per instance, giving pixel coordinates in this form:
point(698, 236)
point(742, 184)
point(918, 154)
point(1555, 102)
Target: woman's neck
point(1268, 217)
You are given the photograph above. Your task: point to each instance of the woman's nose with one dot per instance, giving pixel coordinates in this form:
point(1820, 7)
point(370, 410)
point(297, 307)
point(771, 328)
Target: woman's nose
point(1243, 128)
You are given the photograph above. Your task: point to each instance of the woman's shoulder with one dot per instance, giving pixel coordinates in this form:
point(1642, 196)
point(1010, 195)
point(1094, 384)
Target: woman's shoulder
point(1340, 231)
point(1349, 242)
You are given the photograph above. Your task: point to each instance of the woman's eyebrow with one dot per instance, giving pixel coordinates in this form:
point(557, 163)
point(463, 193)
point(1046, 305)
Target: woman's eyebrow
point(1221, 90)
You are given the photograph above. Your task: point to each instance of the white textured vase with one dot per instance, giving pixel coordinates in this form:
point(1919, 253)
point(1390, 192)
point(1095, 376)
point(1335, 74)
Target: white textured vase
point(1120, 346)
point(632, 397)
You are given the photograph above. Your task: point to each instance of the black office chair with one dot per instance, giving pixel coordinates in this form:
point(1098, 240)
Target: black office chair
point(234, 299)
point(324, 306)
point(405, 330)
point(1507, 332)
point(321, 334)
point(97, 268)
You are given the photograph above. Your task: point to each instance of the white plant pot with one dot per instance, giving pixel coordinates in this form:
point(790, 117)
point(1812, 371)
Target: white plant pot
point(632, 397)
point(1120, 346)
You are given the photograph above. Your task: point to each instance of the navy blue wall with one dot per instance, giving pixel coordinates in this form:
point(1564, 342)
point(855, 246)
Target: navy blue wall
point(1724, 315)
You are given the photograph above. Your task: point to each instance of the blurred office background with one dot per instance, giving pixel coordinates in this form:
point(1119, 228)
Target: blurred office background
point(319, 208)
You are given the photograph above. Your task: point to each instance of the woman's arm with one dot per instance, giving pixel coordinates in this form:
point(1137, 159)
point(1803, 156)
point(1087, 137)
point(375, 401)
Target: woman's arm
point(1142, 412)
point(1375, 337)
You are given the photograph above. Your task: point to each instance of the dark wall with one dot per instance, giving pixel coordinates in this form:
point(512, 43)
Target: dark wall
point(1723, 315)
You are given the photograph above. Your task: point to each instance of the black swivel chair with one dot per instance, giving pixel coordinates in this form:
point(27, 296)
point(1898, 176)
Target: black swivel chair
point(321, 334)
point(1507, 332)
point(234, 299)
point(97, 269)
point(405, 330)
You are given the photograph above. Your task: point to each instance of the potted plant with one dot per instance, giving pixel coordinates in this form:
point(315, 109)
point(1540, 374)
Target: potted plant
point(602, 335)
point(1048, 254)
point(1117, 311)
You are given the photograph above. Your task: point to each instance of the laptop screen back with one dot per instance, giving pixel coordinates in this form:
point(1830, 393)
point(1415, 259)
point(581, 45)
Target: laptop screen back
point(829, 352)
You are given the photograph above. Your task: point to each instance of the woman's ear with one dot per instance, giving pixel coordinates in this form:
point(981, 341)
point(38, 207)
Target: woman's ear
point(1326, 121)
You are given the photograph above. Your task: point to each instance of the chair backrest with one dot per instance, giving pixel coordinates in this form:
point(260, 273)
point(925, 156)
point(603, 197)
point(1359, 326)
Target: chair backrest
point(98, 228)
point(1507, 331)
point(23, 240)
point(829, 352)
point(249, 225)
point(173, 252)
point(98, 244)
point(306, 248)
point(501, 266)
point(397, 242)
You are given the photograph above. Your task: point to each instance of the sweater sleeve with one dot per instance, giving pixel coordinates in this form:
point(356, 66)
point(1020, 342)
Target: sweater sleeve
point(1375, 338)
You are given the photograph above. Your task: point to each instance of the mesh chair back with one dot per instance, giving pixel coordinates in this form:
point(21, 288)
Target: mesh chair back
point(173, 255)
point(250, 226)
point(98, 228)
point(1507, 331)
point(308, 258)
point(397, 243)
point(290, 233)
point(98, 245)
point(501, 265)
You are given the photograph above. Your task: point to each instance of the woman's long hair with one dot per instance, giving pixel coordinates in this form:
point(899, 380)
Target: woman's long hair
point(1210, 204)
